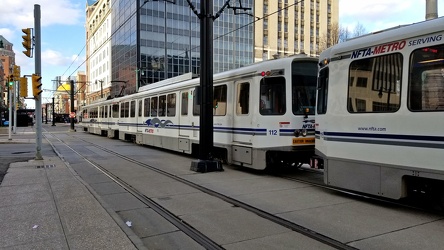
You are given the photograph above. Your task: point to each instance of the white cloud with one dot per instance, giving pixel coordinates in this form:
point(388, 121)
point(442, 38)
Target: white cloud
point(376, 9)
point(20, 13)
point(381, 14)
point(52, 57)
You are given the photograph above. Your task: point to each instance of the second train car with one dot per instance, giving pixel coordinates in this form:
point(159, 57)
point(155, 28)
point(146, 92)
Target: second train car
point(380, 110)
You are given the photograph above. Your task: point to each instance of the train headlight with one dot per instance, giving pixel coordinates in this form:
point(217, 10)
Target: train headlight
point(299, 132)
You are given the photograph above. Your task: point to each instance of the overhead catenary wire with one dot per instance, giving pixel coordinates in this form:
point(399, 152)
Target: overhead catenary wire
point(191, 49)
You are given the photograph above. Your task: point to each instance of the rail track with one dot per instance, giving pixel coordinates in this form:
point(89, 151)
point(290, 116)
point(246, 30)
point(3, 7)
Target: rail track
point(182, 225)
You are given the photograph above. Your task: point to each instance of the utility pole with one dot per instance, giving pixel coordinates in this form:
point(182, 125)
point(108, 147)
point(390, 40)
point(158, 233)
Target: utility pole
point(10, 113)
point(38, 71)
point(53, 112)
point(206, 162)
point(14, 106)
point(206, 81)
point(72, 107)
point(101, 87)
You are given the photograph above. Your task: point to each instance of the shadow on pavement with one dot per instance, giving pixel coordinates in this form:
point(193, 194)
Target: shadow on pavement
point(4, 164)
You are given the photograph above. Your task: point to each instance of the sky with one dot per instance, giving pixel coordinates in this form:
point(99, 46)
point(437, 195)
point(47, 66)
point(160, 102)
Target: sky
point(63, 30)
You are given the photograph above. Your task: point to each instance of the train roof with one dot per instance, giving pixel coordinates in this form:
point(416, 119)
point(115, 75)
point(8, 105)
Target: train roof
point(386, 36)
point(191, 80)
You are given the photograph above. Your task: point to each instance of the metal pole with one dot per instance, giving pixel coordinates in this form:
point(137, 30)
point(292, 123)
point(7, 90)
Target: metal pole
point(38, 71)
point(206, 82)
point(137, 80)
point(53, 113)
point(431, 9)
point(14, 106)
point(10, 113)
point(166, 45)
point(46, 113)
point(72, 106)
point(1, 97)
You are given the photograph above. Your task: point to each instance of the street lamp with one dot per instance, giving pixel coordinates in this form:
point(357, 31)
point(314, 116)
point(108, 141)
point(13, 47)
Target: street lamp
point(101, 88)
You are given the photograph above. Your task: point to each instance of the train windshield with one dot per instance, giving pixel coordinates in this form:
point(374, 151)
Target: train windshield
point(303, 81)
point(426, 83)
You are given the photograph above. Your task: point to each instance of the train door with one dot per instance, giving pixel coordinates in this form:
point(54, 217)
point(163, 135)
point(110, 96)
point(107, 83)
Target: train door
point(115, 111)
point(183, 118)
point(139, 117)
point(108, 117)
point(242, 124)
point(242, 151)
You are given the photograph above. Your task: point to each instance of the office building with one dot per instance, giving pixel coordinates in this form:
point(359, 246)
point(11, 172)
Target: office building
point(288, 27)
point(134, 43)
point(127, 42)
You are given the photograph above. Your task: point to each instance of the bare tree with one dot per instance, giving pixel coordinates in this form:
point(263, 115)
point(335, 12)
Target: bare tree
point(359, 30)
point(335, 34)
point(344, 35)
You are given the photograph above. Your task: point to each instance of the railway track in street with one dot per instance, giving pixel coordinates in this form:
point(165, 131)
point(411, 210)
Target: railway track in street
point(311, 177)
point(198, 236)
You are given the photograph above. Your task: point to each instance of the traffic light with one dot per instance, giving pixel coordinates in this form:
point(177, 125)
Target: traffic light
point(11, 81)
point(36, 84)
point(23, 87)
point(27, 42)
point(16, 72)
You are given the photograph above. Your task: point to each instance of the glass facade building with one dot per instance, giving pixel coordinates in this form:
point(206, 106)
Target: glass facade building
point(155, 40)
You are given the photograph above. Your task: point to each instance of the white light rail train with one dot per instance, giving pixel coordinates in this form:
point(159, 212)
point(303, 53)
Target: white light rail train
point(263, 114)
point(380, 112)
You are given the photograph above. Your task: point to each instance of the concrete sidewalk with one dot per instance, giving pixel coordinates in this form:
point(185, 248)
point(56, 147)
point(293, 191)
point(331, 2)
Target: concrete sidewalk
point(22, 135)
point(45, 205)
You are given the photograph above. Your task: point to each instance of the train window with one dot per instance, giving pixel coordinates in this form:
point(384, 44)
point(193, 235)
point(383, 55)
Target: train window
point(146, 107)
point(196, 101)
point(243, 98)
point(115, 110)
point(184, 106)
point(303, 84)
point(102, 112)
point(162, 105)
point(426, 83)
point(93, 112)
point(106, 111)
point(153, 106)
point(133, 109)
point(139, 108)
point(378, 84)
point(323, 91)
point(126, 109)
point(220, 100)
point(171, 105)
point(272, 96)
